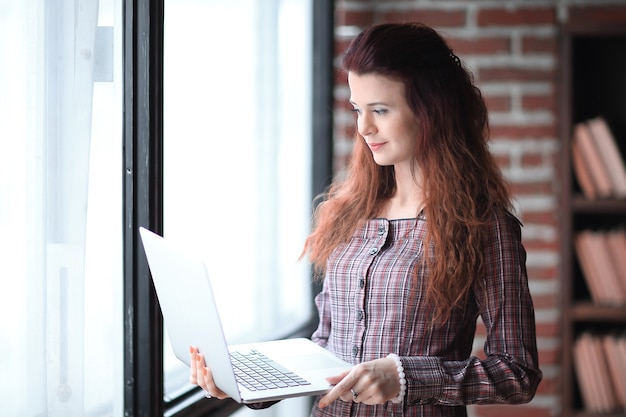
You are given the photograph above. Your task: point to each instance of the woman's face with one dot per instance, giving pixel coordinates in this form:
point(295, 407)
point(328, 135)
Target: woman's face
point(384, 118)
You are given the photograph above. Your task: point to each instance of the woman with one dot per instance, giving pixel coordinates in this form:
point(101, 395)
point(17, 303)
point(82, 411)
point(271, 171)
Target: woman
point(418, 242)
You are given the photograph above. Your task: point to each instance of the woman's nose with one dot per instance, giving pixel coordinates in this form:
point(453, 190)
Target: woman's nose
point(366, 125)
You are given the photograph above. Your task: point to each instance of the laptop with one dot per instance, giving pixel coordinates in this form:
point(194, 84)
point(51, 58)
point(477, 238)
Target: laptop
point(191, 317)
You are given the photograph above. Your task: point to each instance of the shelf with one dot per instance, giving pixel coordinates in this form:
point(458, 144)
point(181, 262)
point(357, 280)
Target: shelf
point(592, 83)
point(587, 311)
point(580, 204)
point(588, 414)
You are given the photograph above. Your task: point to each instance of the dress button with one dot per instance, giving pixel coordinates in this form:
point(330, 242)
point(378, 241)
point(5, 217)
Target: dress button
point(373, 251)
point(359, 315)
point(381, 231)
point(361, 283)
point(355, 350)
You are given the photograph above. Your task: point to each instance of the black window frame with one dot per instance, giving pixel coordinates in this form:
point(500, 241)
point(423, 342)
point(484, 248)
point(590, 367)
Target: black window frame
point(143, 196)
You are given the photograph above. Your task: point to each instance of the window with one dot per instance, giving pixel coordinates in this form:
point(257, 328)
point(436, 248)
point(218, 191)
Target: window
point(237, 158)
point(61, 339)
point(81, 111)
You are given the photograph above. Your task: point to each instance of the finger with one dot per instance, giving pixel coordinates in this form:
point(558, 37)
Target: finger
point(335, 379)
point(200, 366)
point(193, 378)
point(340, 390)
point(203, 376)
point(213, 390)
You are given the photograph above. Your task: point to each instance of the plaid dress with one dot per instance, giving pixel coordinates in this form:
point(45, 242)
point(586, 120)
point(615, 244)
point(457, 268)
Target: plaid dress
point(370, 306)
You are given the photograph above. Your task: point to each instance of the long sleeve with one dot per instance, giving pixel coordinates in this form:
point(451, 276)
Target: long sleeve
point(510, 372)
point(320, 336)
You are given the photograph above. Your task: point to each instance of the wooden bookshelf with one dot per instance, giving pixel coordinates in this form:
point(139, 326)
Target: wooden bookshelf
point(592, 82)
point(589, 312)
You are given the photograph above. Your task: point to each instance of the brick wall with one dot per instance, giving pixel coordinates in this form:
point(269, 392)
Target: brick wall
point(512, 49)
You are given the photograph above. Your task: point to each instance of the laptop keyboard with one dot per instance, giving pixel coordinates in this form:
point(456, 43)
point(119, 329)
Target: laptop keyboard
point(256, 371)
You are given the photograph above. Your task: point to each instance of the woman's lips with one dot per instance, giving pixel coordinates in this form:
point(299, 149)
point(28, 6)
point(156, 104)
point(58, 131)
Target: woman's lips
point(375, 146)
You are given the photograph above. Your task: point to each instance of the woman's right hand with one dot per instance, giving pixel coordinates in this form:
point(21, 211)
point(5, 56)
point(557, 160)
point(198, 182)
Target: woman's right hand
point(201, 375)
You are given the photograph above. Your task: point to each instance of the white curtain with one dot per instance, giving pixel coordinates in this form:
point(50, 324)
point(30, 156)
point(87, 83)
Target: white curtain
point(61, 340)
point(237, 149)
point(237, 124)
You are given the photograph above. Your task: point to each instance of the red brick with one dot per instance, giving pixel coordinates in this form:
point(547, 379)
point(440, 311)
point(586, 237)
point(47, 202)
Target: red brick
point(341, 77)
point(550, 329)
point(514, 74)
point(548, 385)
point(539, 102)
point(581, 15)
point(341, 46)
point(480, 354)
point(534, 187)
point(361, 18)
point(549, 356)
point(349, 131)
point(543, 217)
point(523, 131)
point(541, 245)
point(342, 105)
point(480, 46)
point(533, 160)
point(541, 274)
point(500, 103)
point(545, 301)
point(511, 411)
point(521, 16)
point(503, 161)
point(431, 17)
point(480, 329)
point(536, 44)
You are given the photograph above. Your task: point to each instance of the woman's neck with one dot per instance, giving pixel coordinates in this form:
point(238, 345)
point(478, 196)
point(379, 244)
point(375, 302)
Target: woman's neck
point(408, 199)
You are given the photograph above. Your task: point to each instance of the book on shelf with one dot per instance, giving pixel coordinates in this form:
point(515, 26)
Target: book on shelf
point(582, 246)
point(610, 154)
point(619, 344)
point(616, 240)
point(602, 260)
point(596, 167)
point(616, 362)
point(596, 160)
point(601, 371)
point(583, 172)
point(585, 374)
point(608, 402)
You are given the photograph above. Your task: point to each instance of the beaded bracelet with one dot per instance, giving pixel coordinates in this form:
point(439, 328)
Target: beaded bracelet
point(402, 377)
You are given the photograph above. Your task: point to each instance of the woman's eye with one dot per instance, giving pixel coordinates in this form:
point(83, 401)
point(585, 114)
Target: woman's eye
point(379, 112)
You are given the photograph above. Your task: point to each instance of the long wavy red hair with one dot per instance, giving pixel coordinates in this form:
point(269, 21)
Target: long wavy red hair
point(462, 182)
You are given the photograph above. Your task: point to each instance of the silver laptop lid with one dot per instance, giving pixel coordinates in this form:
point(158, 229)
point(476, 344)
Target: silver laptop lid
point(189, 310)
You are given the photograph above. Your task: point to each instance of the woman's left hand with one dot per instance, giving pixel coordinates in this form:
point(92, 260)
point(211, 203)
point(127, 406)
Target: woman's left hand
point(373, 382)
